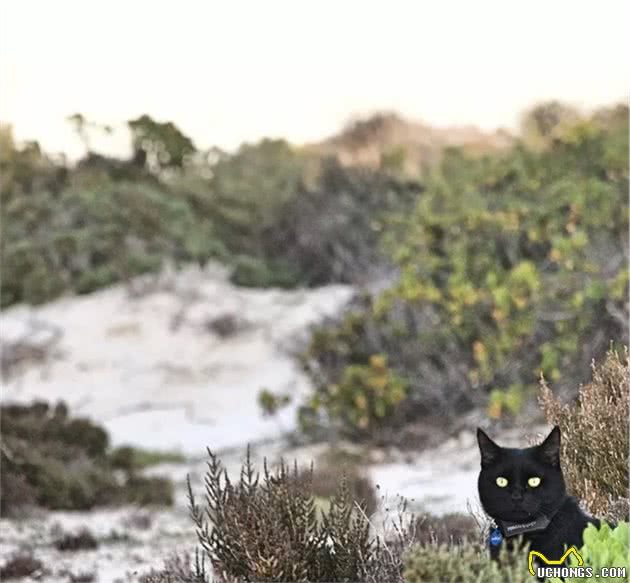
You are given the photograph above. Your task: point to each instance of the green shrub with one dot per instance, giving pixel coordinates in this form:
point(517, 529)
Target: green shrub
point(129, 458)
point(253, 272)
point(595, 436)
point(511, 265)
point(277, 215)
point(59, 462)
point(603, 547)
point(149, 491)
point(432, 563)
point(364, 396)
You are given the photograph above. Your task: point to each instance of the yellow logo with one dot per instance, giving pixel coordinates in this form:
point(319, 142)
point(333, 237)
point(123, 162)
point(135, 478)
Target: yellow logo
point(570, 550)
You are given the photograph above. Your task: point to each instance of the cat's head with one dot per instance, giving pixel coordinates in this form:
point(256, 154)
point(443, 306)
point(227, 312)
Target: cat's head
point(520, 484)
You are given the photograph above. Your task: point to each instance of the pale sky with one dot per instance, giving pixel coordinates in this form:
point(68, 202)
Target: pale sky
point(233, 71)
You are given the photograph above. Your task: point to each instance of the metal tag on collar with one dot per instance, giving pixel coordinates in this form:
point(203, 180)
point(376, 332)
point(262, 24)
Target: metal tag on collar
point(516, 528)
point(495, 538)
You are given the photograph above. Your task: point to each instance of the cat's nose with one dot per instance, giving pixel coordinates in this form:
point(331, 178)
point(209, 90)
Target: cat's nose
point(517, 495)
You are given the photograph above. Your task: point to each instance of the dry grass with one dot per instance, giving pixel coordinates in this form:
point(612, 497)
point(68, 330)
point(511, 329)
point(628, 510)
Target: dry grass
point(179, 569)
point(595, 437)
point(268, 528)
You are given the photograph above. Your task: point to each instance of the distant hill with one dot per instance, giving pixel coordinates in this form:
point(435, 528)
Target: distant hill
point(387, 138)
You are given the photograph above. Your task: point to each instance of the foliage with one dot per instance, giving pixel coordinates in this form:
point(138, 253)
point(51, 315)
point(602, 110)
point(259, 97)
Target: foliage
point(130, 459)
point(178, 569)
point(85, 229)
point(269, 530)
point(364, 395)
point(287, 218)
point(595, 444)
point(336, 465)
point(276, 215)
point(331, 230)
point(449, 529)
point(603, 547)
point(432, 563)
point(158, 145)
point(505, 401)
point(547, 122)
point(56, 461)
point(511, 265)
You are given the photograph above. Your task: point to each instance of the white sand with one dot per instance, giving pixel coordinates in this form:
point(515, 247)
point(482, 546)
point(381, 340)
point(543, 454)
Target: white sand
point(121, 363)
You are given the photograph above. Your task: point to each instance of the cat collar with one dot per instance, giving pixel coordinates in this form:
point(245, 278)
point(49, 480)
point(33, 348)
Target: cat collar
point(509, 529)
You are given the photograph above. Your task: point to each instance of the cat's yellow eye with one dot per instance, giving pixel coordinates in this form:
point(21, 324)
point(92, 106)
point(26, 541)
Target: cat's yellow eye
point(533, 482)
point(502, 482)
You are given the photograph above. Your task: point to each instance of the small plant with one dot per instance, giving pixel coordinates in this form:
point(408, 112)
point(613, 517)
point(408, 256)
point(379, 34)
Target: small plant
point(80, 541)
point(595, 437)
point(270, 403)
point(82, 577)
point(432, 563)
point(450, 529)
point(334, 466)
point(268, 529)
point(139, 521)
point(20, 565)
point(226, 325)
point(179, 569)
point(131, 459)
point(149, 491)
point(57, 461)
point(603, 547)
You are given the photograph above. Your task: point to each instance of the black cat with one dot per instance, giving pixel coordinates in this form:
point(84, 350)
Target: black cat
point(523, 491)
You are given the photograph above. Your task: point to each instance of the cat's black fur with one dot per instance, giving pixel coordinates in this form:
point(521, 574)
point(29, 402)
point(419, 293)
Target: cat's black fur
point(520, 503)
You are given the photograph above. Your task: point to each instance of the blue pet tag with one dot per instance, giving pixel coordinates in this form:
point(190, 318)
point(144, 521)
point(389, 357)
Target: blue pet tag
point(495, 538)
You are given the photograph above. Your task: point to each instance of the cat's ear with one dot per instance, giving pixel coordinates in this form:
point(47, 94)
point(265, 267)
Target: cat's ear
point(549, 450)
point(489, 450)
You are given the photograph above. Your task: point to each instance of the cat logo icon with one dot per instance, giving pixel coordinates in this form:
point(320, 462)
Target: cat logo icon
point(570, 550)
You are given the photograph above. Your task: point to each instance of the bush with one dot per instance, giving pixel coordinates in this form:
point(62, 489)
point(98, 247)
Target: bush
point(333, 467)
point(20, 565)
point(149, 491)
point(277, 215)
point(449, 529)
point(434, 563)
point(595, 436)
point(178, 569)
point(269, 530)
point(363, 397)
point(368, 376)
point(510, 265)
point(130, 459)
point(55, 461)
point(82, 540)
point(603, 547)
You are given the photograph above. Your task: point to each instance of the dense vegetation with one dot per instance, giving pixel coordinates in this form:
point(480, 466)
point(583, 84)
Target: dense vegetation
point(53, 460)
point(596, 437)
point(501, 265)
point(269, 528)
point(278, 215)
point(510, 266)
